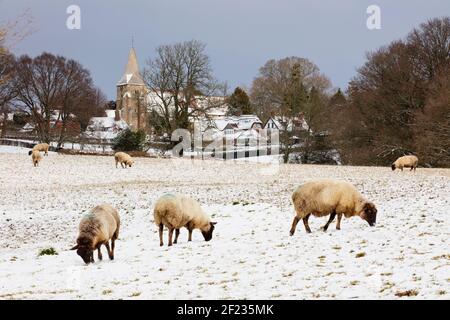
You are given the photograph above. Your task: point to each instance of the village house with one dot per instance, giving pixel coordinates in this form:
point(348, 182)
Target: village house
point(134, 102)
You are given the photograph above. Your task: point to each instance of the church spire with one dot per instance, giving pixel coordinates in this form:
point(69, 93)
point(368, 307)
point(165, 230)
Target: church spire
point(132, 74)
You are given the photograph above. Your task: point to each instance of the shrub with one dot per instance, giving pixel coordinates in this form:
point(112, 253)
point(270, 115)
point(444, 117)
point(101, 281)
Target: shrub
point(129, 140)
point(48, 252)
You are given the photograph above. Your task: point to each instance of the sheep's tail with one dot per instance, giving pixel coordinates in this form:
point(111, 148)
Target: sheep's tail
point(294, 196)
point(158, 214)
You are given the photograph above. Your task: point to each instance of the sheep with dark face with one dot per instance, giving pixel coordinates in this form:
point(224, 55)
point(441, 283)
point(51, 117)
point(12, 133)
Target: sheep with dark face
point(96, 229)
point(41, 147)
point(175, 212)
point(405, 162)
point(330, 197)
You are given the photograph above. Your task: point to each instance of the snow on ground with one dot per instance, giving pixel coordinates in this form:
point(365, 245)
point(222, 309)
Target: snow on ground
point(251, 255)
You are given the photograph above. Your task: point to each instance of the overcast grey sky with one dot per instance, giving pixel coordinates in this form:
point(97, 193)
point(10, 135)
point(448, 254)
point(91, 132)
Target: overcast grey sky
point(241, 35)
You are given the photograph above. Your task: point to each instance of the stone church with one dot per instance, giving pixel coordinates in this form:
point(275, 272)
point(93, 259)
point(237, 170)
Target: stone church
point(131, 101)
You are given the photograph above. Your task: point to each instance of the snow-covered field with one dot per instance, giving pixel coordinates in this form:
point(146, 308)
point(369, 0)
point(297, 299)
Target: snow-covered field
point(251, 255)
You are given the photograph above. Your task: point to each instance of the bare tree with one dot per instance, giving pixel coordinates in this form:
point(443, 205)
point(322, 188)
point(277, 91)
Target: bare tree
point(7, 92)
point(47, 85)
point(391, 91)
point(181, 84)
point(79, 99)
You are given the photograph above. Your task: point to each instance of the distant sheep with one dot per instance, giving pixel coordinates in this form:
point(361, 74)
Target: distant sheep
point(405, 162)
point(97, 228)
point(36, 157)
point(324, 197)
point(43, 147)
point(124, 159)
point(175, 212)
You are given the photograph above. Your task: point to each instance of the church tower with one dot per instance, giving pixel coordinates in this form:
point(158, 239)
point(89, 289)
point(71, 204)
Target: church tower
point(131, 101)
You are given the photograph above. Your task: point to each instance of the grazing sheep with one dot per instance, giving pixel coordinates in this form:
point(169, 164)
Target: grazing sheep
point(40, 147)
point(124, 159)
point(175, 212)
point(324, 197)
point(36, 157)
point(405, 162)
point(97, 228)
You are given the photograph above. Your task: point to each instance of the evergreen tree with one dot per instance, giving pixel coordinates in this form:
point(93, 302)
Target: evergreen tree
point(239, 103)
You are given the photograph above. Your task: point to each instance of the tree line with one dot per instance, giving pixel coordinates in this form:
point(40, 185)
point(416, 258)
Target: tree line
point(56, 93)
point(398, 102)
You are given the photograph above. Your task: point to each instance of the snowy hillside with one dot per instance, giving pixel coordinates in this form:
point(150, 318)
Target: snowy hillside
point(251, 255)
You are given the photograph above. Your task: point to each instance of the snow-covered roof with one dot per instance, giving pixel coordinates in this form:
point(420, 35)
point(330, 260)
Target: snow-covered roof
point(110, 113)
point(244, 122)
point(106, 124)
point(283, 123)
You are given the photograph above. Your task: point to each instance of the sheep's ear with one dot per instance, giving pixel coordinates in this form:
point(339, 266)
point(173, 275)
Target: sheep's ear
point(74, 248)
point(213, 223)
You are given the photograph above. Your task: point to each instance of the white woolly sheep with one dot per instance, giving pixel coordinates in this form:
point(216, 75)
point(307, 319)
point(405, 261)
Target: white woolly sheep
point(97, 228)
point(36, 157)
point(43, 147)
point(175, 212)
point(405, 162)
point(324, 197)
point(124, 159)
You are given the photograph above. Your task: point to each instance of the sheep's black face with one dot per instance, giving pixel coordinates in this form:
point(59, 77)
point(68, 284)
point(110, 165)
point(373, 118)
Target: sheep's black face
point(85, 254)
point(208, 234)
point(30, 152)
point(84, 249)
point(393, 167)
point(369, 214)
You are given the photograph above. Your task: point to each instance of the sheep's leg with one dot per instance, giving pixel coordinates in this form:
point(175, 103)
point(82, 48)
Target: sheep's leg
point(92, 257)
point(170, 236)
point(110, 252)
point(177, 233)
point(116, 163)
point(161, 228)
point(294, 225)
point(338, 225)
point(190, 235)
point(123, 167)
point(332, 215)
point(305, 222)
point(99, 252)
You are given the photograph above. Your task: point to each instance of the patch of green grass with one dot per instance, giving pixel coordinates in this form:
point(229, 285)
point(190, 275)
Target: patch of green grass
point(48, 252)
point(360, 255)
point(235, 203)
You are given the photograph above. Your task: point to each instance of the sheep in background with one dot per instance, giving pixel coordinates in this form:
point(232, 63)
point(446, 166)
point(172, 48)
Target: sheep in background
point(96, 228)
point(40, 147)
point(36, 157)
point(124, 159)
point(330, 197)
point(175, 212)
point(405, 162)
